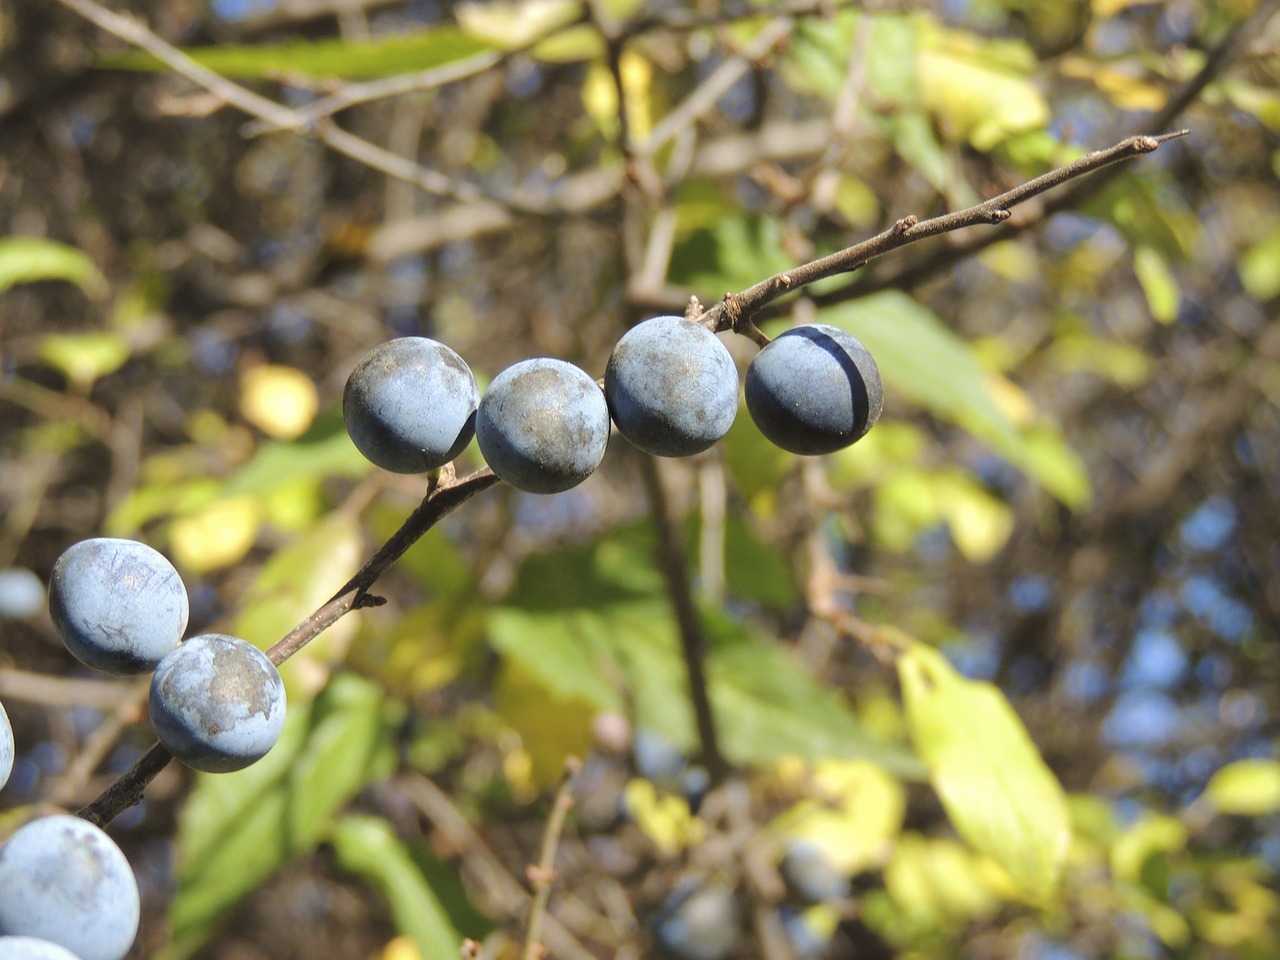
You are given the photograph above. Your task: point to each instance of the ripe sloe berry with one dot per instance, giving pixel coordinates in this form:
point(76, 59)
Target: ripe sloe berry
point(672, 387)
point(6, 747)
point(118, 605)
point(543, 425)
point(815, 389)
point(410, 405)
point(63, 880)
point(809, 873)
point(217, 703)
point(701, 923)
point(32, 948)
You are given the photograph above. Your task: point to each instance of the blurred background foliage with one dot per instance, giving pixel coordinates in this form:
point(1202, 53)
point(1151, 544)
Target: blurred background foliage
point(1009, 663)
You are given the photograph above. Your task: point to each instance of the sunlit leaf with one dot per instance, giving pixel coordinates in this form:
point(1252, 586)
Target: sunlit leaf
point(30, 259)
point(85, 357)
point(513, 25)
point(938, 881)
point(551, 728)
point(349, 60)
point(998, 792)
point(927, 363)
point(368, 846)
point(982, 90)
point(1259, 267)
point(216, 536)
point(856, 811)
point(1158, 283)
point(1248, 788)
point(664, 818)
point(280, 401)
point(298, 579)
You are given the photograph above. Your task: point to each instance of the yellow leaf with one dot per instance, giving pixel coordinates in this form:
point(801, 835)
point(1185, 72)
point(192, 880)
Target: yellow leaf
point(280, 401)
point(550, 728)
point(665, 819)
point(997, 790)
point(1018, 408)
point(980, 524)
point(401, 948)
point(84, 357)
point(854, 816)
point(217, 536)
point(1248, 788)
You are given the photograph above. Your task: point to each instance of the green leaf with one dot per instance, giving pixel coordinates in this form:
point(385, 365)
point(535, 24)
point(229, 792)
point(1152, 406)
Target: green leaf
point(368, 846)
point(998, 792)
point(1249, 788)
point(237, 829)
point(298, 579)
point(85, 357)
point(767, 707)
point(327, 451)
point(736, 253)
point(402, 53)
point(918, 356)
point(513, 26)
point(1259, 267)
point(1158, 283)
point(29, 259)
point(593, 623)
point(982, 90)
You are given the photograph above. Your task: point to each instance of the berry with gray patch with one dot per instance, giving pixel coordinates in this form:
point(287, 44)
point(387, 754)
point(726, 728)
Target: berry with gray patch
point(543, 425)
point(672, 387)
point(410, 405)
point(217, 703)
point(65, 881)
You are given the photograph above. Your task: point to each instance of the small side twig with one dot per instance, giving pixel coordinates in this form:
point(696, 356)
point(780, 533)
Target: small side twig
point(693, 643)
point(442, 499)
point(542, 875)
point(736, 310)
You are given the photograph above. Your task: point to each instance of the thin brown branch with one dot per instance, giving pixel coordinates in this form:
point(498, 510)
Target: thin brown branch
point(693, 643)
point(279, 117)
point(441, 500)
point(736, 310)
point(354, 94)
point(62, 692)
point(543, 874)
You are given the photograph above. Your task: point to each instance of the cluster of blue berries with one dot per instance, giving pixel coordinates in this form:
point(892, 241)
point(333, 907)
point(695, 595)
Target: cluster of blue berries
point(671, 388)
point(216, 702)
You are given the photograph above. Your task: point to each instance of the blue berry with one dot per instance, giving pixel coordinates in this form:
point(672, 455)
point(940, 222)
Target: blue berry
point(32, 948)
point(410, 405)
point(217, 703)
point(543, 425)
point(118, 605)
point(63, 880)
point(815, 389)
point(672, 387)
point(21, 594)
point(699, 924)
point(6, 748)
point(810, 874)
